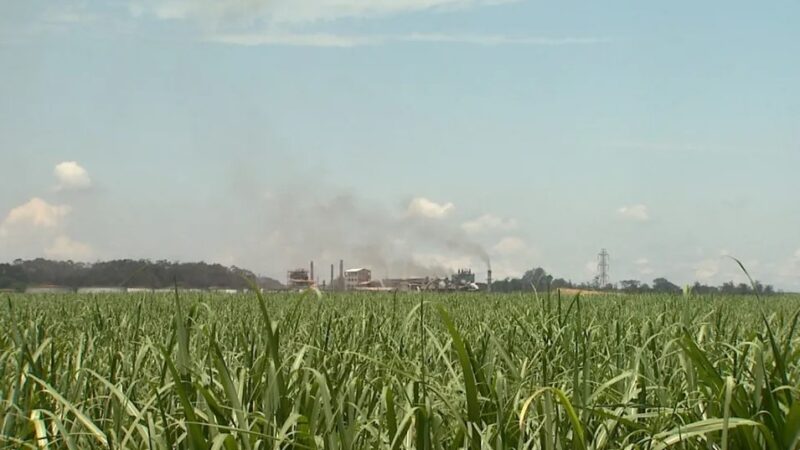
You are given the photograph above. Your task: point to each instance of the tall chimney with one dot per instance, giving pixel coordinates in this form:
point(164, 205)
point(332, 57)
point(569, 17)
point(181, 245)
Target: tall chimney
point(489, 280)
point(341, 274)
point(311, 274)
point(331, 276)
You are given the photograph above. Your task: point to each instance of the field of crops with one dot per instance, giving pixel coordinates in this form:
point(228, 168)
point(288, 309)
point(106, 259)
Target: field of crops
point(374, 371)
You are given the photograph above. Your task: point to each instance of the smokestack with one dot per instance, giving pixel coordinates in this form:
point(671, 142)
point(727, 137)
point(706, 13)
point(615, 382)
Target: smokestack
point(341, 274)
point(489, 280)
point(311, 274)
point(331, 276)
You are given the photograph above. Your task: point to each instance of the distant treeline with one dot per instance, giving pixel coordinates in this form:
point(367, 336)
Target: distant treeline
point(126, 273)
point(163, 274)
point(541, 281)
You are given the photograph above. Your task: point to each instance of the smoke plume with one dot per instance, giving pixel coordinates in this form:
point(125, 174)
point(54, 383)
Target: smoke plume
point(296, 227)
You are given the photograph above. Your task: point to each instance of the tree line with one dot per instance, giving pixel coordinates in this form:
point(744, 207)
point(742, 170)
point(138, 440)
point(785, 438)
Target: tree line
point(127, 273)
point(538, 279)
point(200, 275)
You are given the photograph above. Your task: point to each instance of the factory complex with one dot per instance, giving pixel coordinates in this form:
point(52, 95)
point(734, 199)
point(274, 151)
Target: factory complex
point(360, 279)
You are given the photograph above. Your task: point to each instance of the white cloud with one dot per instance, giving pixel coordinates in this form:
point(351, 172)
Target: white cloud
point(242, 12)
point(63, 13)
point(489, 222)
point(71, 176)
point(789, 270)
point(591, 268)
point(35, 213)
point(643, 266)
point(510, 245)
point(274, 22)
point(293, 39)
point(636, 213)
point(36, 228)
point(661, 146)
point(64, 248)
point(497, 39)
point(706, 269)
point(344, 40)
point(422, 207)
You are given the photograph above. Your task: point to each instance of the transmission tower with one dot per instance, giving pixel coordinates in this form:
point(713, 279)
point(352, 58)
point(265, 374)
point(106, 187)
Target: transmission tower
point(602, 267)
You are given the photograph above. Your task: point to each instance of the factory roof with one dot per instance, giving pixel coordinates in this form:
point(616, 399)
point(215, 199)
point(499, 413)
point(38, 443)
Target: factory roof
point(355, 270)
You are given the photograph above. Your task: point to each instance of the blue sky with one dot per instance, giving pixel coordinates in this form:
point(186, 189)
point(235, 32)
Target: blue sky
point(407, 135)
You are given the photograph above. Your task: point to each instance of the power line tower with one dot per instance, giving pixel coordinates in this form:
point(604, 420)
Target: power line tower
point(602, 267)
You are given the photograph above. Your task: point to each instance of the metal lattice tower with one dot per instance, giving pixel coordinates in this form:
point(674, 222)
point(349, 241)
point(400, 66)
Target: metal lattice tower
point(602, 267)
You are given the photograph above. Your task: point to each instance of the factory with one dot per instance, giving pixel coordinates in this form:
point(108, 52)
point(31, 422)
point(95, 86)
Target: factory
point(49, 289)
point(102, 290)
point(407, 284)
point(463, 278)
point(348, 280)
point(354, 278)
point(360, 279)
point(300, 278)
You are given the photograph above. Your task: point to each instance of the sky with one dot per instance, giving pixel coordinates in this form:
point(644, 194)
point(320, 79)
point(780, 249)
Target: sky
point(410, 136)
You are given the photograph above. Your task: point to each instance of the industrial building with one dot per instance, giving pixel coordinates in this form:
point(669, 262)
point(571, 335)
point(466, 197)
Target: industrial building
point(356, 277)
point(407, 284)
point(49, 289)
point(102, 290)
point(463, 277)
point(222, 290)
point(463, 280)
point(360, 279)
point(298, 279)
point(350, 279)
point(304, 278)
point(139, 290)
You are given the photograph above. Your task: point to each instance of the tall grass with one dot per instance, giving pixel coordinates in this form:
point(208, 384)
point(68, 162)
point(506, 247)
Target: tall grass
point(357, 371)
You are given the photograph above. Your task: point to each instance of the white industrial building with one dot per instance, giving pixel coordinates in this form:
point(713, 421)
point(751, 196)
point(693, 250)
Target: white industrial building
point(49, 289)
point(102, 290)
point(355, 277)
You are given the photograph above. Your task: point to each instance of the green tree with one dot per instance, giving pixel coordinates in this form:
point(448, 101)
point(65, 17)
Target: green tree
point(665, 286)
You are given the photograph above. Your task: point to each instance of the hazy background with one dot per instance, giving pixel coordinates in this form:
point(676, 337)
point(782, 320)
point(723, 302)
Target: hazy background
point(407, 135)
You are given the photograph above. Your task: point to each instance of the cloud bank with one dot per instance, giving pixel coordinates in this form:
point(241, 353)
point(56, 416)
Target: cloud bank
point(35, 213)
point(312, 39)
point(219, 12)
point(36, 228)
point(300, 22)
